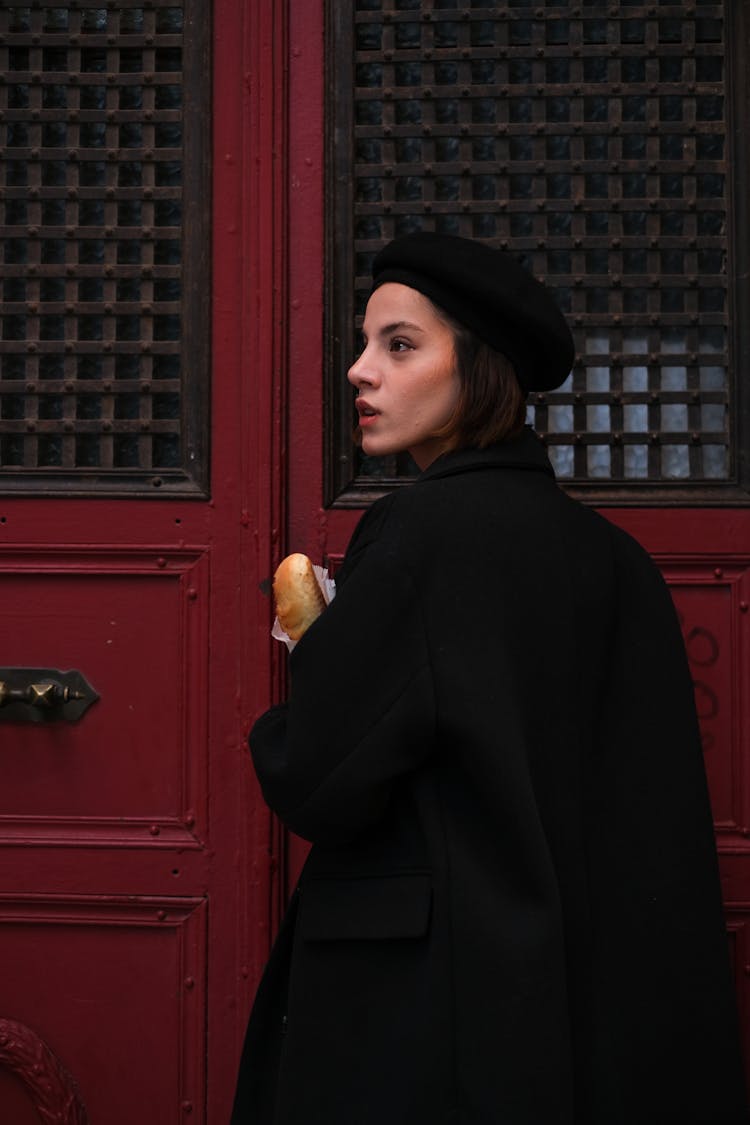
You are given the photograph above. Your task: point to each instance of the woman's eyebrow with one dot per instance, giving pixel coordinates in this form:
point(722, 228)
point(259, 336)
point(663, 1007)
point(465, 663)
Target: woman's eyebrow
point(398, 326)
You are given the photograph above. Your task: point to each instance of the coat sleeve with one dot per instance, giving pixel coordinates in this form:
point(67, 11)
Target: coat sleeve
point(361, 710)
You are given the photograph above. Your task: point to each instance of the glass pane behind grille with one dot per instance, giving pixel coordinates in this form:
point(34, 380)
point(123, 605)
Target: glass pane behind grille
point(591, 141)
point(95, 392)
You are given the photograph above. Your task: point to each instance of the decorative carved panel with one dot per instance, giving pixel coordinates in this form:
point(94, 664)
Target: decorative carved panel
point(118, 983)
point(52, 1090)
point(713, 604)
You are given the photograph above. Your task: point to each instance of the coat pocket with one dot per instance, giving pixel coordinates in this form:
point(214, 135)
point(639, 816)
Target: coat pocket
point(372, 908)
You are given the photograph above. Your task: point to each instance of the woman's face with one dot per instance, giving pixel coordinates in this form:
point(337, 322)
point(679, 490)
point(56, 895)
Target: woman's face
point(406, 380)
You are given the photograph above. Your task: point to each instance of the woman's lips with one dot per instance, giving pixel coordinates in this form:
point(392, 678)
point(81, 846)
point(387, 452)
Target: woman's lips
point(367, 413)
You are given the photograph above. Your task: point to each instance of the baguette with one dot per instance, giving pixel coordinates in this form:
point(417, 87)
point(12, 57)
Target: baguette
point(298, 596)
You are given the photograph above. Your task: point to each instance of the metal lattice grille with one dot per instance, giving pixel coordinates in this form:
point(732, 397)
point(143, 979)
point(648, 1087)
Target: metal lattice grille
point(590, 140)
point(92, 189)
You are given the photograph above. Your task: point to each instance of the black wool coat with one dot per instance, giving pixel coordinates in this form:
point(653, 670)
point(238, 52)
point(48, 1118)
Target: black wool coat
point(511, 913)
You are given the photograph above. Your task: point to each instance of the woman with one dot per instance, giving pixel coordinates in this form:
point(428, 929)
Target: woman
point(510, 914)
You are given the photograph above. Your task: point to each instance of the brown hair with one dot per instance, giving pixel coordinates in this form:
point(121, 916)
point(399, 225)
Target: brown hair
point(491, 403)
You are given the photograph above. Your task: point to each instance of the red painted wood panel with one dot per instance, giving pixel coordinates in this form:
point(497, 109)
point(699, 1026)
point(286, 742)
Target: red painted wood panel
point(145, 963)
point(137, 888)
point(134, 769)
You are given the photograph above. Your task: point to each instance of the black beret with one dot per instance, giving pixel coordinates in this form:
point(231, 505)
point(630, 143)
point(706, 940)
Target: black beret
point(488, 291)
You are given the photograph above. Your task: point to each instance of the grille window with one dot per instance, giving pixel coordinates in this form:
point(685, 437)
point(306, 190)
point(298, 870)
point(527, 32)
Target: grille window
point(103, 332)
point(591, 141)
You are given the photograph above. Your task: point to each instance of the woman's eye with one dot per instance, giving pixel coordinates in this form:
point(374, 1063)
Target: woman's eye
point(399, 346)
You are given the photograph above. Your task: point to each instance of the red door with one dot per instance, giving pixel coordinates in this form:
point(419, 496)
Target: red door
point(138, 864)
point(551, 132)
point(135, 528)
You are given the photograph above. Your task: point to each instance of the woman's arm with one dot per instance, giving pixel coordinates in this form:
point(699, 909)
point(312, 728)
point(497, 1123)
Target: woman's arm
point(361, 707)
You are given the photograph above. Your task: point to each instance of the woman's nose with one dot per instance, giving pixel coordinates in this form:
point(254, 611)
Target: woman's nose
point(360, 373)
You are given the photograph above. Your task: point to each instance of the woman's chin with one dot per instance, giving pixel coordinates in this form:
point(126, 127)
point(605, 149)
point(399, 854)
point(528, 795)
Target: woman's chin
point(374, 448)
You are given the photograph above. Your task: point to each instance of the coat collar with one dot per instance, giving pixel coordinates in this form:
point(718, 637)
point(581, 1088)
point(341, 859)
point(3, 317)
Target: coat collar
point(523, 452)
